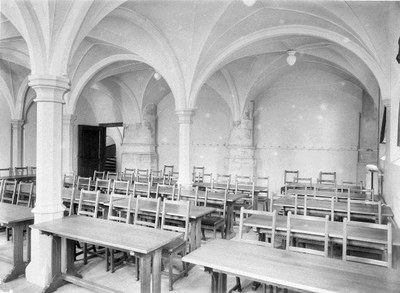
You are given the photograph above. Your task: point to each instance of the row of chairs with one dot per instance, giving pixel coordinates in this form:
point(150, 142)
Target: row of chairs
point(177, 221)
point(28, 170)
point(20, 193)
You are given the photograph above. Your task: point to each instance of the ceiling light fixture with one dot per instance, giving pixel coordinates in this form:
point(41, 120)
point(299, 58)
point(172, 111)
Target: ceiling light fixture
point(291, 58)
point(249, 3)
point(157, 76)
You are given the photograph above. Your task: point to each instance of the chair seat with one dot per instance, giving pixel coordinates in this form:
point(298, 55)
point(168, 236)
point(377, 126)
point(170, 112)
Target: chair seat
point(173, 246)
point(212, 221)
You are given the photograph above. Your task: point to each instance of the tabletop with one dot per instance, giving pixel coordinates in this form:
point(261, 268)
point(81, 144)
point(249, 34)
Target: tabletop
point(326, 193)
point(300, 271)
point(19, 177)
point(11, 214)
point(339, 206)
point(108, 233)
point(257, 188)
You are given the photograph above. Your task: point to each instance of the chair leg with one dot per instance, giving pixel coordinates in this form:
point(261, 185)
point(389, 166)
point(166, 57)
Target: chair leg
point(85, 258)
point(215, 233)
point(203, 234)
point(170, 272)
point(112, 260)
point(137, 268)
point(107, 259)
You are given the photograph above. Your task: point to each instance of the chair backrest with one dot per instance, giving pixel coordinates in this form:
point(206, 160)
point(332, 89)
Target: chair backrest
point(247, 188)
point(168, 169)
point(327, 177)
point(70, 209)
point(120, 187)
point(307, 181)
point(289, 176)
point(352, 202)
point(323, 236)
point(165, 191)
point(351, 185)
point(208, 177)
point(221, 204)
point(244, 213)
point(309, 200)
point(152, 220)
point(88, 203)
point(142, 175)
point(325, 190)
point(21, 171)
point(32, 170)
point(130, 171)
point(9, 191)
point(69, 180)
point(127, 177)
point(361, 194)
point(83, 183)
point(156, 177)
point(141, 189)
point(6, 171)
point(178, 211)
point(223, 179)
point(99, 175)
point(114, 214)
point(112, 175)
point(198, 174)
point(243, 179)
point(188, 194)
point(375, 229)
point(174, 178)
point(24, 193)
point(104, 185)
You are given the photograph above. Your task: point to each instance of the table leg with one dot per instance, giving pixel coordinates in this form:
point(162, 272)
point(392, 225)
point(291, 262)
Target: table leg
point(18, 254)
point(198, 234)
point(57, 279)
point(218, 282)
point(28, 243)
point(156, 276)
point(145, 273)
point(229, 222)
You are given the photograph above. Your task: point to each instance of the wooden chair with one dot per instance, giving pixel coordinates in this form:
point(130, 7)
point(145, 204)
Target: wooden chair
point(215, 221)
point(99, 175)
point(198, 174)
point(24, 194)
point(130, 171)
point(142, 175)
point(188, 193)
point(89, 206)
point(104, 185)
point(156, 177)
point(178, 247)
point(120, 187)
point(289, 176)
point(327, 177)
point(141, 189)
point(83, 183)
point(127, 177)
point(69, 180)
point(208, 178)
point(8, 191)
point(112, 176)
point(120, 216)
point(351, 185)
point(32, 170)
point(21, 171)
point(6, 171)
point(325, 190)
point(386, 248)
point(168, 169)
point(165, 191)
point(71, 202)
point(263, 195)
point(360, 218)
point(290, 235)
point(306, 181)
point(247, 202)
point(308, 200)
point(174, 178)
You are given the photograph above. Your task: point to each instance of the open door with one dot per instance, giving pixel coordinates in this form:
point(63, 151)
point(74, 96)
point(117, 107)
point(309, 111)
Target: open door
point(91, 149)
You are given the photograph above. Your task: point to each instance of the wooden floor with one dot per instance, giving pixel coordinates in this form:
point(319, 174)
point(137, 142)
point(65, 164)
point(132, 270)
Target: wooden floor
point(123, 279)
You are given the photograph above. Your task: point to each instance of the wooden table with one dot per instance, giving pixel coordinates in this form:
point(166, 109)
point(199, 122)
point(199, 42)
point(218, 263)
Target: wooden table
point(327, 193)
point(196, 213)
point(232, 187)
point(335, 229)
point(340, 208)
point(17, 218)
point(144, 242)
point(288, 269)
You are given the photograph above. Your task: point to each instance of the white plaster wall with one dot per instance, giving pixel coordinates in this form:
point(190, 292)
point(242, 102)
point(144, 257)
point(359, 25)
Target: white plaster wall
point(29, 157)
point(5, 131)
point(310, 130)
point(210, 132)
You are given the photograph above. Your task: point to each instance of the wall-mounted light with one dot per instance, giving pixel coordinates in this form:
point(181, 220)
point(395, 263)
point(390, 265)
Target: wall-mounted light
point(291, 58)
point(157, 76)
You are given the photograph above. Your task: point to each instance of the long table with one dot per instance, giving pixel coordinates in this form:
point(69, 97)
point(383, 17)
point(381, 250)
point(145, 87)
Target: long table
point(196, 213)
point(340, 208)
point(17, 218)
point(335, 229)
point(288, 269)
point(145, 242)
point(29, 177)
point(327, 193)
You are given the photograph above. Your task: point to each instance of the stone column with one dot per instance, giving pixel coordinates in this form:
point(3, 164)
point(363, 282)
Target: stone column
point(241, 146)
point(185, 121)
point(139, 147)
point(49, 98)
point(68, 143)
point(17, 142)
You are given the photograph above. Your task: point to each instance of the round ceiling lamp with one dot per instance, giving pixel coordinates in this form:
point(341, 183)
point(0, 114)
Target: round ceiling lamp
point(249, 3)
point(291, 58)
point(157, 76)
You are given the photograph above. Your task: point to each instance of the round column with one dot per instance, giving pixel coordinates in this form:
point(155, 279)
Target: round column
point(185, 121)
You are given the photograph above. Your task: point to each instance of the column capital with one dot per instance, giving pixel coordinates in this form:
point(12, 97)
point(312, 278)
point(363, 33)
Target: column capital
point(49, 88)
point(185, 116)
point(17, 123)
point(69, 118)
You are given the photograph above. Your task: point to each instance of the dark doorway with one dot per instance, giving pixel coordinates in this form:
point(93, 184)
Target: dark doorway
point(110, 156)
point(91, 149)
